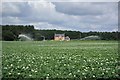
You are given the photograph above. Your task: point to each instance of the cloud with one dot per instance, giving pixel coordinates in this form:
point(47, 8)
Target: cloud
point(88, 8)
point(73, 8)
point(62, 0)
point(62, 15)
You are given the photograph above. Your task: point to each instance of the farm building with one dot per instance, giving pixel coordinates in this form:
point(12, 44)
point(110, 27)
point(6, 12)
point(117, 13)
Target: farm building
point(67, 38)
point(61, 37)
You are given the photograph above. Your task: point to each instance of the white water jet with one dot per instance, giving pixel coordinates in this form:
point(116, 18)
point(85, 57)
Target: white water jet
point(23, 37)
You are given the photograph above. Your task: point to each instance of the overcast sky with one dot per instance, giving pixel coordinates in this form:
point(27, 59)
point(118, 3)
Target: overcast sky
point(78, 16)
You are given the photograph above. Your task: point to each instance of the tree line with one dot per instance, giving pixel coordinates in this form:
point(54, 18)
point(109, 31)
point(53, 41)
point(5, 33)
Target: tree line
point(11, 33)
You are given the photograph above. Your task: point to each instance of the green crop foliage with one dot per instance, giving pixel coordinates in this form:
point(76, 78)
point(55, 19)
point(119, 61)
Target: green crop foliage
point(60, 59)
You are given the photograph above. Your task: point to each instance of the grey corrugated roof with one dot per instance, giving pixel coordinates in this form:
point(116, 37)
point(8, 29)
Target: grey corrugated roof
point(59, 34)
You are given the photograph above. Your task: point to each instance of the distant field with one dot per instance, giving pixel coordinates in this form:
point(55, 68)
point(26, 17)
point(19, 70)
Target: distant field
point(60, 59)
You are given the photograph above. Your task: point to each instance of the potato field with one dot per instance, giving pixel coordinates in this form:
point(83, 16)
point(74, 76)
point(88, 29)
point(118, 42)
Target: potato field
point(60, 59)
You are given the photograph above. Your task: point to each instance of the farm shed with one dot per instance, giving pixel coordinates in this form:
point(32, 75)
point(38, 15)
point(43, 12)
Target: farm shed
point(67, 38)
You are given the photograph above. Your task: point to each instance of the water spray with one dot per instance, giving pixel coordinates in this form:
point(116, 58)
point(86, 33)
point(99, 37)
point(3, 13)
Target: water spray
point(24, 37)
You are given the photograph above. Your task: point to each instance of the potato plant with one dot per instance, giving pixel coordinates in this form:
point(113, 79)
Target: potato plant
point(60, 59)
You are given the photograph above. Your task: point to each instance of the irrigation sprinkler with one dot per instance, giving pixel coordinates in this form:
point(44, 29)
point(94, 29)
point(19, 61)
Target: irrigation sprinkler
point(23, 37)
point(43, 38)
